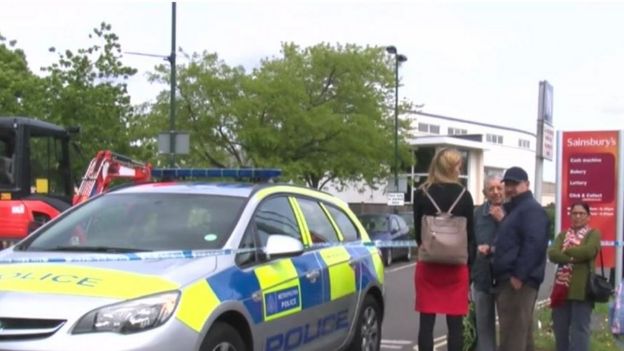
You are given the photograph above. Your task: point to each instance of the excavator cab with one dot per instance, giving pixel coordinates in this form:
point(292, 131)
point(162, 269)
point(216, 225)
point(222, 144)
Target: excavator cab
point(35, 174)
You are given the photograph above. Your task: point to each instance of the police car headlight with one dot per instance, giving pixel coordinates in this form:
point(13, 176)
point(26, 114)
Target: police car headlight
point(131, 316)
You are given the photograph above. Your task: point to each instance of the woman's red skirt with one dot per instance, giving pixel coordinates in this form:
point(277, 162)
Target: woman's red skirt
point(441, 289)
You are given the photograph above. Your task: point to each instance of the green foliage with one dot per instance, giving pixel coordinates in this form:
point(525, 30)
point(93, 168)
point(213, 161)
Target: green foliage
point(87, 88)
point(550, 212)
point(470, 329)
point(601, 338)
point(208, 92)
point(21, 91)
point(326, 110)
point(322, 113)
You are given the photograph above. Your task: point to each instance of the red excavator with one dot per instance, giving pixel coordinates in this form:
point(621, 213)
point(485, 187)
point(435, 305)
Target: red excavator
point(35, 174)
point(36, 183)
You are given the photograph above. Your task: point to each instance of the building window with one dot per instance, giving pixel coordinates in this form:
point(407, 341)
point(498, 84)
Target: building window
point(525, 144)
point(428, 128)
point(465, 163)
point(494, 139)
point(423, 156)
point(457, 131)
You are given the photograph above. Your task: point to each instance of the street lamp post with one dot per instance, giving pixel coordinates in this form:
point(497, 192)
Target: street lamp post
point(172, 61)
point(172, 101)
point(398, 58)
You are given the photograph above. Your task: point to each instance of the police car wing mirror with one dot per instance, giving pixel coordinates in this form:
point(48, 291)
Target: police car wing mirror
point(278, 246)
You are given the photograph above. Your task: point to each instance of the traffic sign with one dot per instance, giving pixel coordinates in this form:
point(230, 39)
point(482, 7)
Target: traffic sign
point(396, 199)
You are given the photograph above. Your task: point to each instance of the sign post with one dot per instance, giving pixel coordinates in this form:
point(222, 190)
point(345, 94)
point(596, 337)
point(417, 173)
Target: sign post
point(545, 135)
point(589, 171)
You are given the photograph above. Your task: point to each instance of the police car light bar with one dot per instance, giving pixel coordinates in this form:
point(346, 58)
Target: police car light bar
point(254, 173)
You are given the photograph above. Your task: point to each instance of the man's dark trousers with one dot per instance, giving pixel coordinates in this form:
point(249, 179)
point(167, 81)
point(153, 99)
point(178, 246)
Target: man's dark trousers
point(515, 314)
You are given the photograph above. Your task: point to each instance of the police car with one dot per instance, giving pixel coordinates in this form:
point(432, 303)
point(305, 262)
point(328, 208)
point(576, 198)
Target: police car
point(181, 266)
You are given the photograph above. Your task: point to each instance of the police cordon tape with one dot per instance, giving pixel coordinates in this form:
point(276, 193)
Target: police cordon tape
point(80, 257)
point(191, 254)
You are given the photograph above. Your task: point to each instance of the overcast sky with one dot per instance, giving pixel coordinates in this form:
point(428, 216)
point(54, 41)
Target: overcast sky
point(480, 61)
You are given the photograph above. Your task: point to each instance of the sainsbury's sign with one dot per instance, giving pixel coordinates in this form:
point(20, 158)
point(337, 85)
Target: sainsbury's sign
point(589, 174)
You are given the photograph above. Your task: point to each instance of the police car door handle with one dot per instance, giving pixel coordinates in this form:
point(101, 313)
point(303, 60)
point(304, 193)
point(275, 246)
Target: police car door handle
point(312, 276)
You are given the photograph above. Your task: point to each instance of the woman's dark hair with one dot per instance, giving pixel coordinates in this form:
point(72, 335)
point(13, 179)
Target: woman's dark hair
point(583, 205)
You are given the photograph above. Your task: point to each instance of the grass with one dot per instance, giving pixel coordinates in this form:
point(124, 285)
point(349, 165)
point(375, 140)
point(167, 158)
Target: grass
point(601, 339)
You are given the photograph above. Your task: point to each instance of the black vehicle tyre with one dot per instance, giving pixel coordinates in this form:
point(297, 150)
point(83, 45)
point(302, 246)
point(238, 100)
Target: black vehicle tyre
point(368, 329)
point(387, 257)
point(223, 337)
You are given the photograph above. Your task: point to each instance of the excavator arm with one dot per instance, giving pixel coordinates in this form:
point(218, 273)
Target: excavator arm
point(107, 166)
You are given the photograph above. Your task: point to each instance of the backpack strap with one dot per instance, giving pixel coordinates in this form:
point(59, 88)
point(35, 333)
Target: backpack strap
point(456, 200)
point(436, 205)
point(432, 200)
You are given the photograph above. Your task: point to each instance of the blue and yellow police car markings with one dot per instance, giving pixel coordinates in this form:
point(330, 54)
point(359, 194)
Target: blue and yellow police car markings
point(341, 274)
point(238, 285)
point(365, 268)
point(303, 226)
point(281, 290)
point(341, 280)
point(333, 223)
point(197, 303)
point(311, 289)
point(379, 267)
point(305, 334)
point(83, 281)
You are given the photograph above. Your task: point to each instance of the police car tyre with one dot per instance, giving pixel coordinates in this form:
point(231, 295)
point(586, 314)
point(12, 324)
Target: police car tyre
point(223, 337)
point(368, 329)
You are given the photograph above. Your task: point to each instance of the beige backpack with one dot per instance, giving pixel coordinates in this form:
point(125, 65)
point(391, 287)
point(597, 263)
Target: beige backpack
point(444, 238)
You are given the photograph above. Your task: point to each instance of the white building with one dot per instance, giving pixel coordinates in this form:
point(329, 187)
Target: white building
point(488, 149)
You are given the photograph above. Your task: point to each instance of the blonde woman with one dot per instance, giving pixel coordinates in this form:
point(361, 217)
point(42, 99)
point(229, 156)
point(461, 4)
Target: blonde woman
point(443, 289)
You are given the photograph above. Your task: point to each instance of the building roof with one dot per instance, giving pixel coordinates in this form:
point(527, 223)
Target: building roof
point(472, 122)
point(443, 140)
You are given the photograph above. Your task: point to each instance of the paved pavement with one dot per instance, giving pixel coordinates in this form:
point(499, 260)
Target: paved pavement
point(400, 327)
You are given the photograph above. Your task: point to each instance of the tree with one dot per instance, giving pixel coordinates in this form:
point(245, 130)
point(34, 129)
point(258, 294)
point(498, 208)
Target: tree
point(322, 114)
point(207, 91)
point(87, 88)
point(21, 91)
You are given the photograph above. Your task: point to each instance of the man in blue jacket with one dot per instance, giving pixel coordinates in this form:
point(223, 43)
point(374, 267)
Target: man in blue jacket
point(519, 261)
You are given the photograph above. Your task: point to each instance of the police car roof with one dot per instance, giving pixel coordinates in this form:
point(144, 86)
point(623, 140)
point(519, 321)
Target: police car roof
point(222, 189)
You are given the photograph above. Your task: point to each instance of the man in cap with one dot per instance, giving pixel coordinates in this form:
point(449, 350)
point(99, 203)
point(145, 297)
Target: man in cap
point(519, 261)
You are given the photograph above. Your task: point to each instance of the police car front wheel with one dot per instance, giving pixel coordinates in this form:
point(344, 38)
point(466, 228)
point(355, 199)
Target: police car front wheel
point(223, 337)
point(368, 330)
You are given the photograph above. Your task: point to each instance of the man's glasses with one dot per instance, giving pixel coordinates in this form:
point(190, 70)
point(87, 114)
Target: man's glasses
point(578, 214)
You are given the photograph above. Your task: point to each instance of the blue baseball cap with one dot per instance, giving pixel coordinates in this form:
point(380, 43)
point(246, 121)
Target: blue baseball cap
point(515, 174)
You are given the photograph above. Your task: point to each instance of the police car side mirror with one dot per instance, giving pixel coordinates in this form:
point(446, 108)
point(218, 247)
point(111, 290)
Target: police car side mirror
point(278, 246)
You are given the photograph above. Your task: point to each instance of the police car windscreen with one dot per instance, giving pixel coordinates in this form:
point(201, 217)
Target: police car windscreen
point(143, 222)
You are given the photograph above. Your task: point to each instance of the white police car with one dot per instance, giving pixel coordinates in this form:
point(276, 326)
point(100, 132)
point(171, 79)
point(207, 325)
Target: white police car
point(176, 266)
